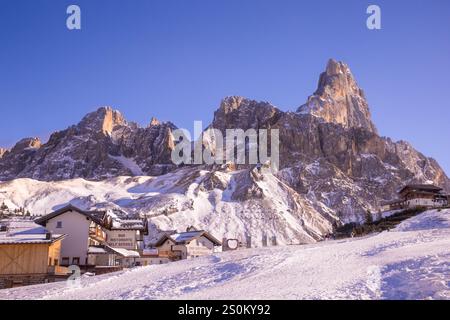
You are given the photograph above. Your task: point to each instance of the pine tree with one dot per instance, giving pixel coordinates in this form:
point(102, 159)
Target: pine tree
point(4, 207)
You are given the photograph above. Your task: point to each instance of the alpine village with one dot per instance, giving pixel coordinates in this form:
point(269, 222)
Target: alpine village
point(54, 246)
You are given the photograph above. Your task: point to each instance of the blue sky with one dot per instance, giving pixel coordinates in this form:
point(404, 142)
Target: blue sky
point(176, 60)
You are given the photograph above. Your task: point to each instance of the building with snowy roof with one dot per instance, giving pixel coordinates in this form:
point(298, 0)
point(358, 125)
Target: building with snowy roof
point(184, 245)
point(418, 195)
point(29, 254)
point(88, 230)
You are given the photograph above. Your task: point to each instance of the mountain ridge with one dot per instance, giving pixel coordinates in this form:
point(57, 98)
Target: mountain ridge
point(332, 170)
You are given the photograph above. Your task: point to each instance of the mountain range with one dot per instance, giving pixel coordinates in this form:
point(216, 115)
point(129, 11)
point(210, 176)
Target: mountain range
point(334, 166)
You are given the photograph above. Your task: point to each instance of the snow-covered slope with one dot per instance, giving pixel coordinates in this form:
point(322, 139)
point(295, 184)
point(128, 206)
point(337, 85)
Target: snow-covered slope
point(410, 262)
point(233, 204)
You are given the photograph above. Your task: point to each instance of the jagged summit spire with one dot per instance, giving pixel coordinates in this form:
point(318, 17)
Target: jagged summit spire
point(339, 99)
point(336, 67)
point(103, 119)
point(154, 122)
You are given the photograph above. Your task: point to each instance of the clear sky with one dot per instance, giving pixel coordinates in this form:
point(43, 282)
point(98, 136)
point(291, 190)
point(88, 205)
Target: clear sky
point(176, 60)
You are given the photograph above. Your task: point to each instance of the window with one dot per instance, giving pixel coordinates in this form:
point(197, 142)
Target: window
point(56, 262)
point(76, 260)
point(65, 261)
point(59, 224)
point(49, 261)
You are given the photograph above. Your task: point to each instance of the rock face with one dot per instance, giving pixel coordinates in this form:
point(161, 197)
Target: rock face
point(338, 99)
point(333, 167)
point(2, 152)
point(102, 145)
point(241, 113)
point(14, 161)
point(342, 171)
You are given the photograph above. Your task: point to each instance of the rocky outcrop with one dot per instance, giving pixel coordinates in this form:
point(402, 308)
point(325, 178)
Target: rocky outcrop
point(104, 121)
point(102, 145)
point(14, 161)
point(2, 152)
point(338, 99)
point(343, 167)
point(241, 113)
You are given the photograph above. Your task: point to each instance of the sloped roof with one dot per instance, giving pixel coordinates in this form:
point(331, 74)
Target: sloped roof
point(163, 238)
point(186, 237)
point(125, 224)
point(96, 216)
point(27, 232)
point(421, 187)
point(125, 252)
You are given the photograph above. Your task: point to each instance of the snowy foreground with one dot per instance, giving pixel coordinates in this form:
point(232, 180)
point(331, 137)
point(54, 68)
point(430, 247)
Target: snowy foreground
point(410, 262)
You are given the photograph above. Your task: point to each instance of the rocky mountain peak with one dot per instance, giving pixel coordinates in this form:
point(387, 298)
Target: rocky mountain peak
point(103, 119)
point(231, 103)
point(336, 68)
point(154, 122)
point(27, 143)
point(338, 99)
point(237, 112)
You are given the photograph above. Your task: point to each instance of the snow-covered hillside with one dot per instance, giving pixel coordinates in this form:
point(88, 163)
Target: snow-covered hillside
point(231, 204)
point(410, 262)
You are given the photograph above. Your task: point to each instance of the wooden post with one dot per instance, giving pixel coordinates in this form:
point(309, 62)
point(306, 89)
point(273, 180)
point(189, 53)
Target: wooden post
point(225, 244)
point(264, 240)
point(248, 240)
point(274, 241)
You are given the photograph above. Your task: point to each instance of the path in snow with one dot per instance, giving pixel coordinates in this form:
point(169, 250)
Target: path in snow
point(410, 262)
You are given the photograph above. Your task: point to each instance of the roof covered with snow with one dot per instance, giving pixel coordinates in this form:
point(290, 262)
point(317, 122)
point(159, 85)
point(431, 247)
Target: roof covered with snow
point(186, 237)
point(96, 216)
point(125, 253)
point(22, 232)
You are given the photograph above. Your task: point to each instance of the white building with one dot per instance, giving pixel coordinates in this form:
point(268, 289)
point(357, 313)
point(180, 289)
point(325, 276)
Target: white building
point(75, 224)
point(184, 245)
point(124, 233)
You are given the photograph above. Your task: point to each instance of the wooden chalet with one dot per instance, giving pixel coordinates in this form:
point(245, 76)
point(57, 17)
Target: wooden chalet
point(29, 254)
point(418, 195)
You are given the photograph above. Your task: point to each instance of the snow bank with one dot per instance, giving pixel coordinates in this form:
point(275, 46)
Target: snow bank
point(413, 262)
point(433, 219)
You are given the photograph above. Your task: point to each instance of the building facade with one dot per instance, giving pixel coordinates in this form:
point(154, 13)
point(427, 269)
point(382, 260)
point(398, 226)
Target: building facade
point(29, 254)
point(418, 195)
point(184, 245)
point(76, 224)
